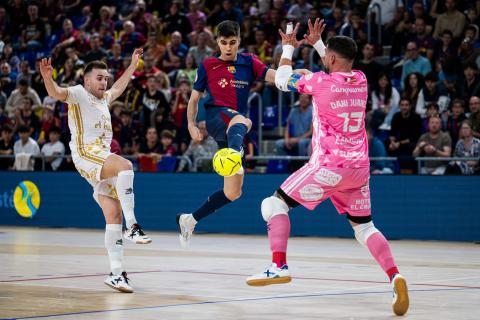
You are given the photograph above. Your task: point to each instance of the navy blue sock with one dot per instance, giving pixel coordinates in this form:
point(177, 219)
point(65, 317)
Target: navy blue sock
point(235, 136)
point(214, 202)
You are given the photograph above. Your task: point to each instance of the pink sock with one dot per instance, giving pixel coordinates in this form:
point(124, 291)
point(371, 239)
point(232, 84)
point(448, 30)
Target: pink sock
point(278, 232)
point(380, 250)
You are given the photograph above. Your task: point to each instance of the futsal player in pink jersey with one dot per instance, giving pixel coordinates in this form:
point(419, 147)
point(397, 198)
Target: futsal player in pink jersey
point(339, 166)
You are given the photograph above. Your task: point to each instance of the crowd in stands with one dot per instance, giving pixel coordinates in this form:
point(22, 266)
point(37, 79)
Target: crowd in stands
point(422, 69)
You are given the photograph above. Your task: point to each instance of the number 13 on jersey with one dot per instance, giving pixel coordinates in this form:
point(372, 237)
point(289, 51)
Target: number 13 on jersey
point(357, 117)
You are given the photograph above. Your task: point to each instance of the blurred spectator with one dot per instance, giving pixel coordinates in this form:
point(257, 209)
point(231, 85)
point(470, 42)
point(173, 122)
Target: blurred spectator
point(424, 41)
point(176, 20)
point(335, 21)
point(17, 97)
point(24, 116)
point(444, 48)
point(203, 149)
point(6, 147)
point(67, 37)
point(414, 62)
point(469, 44)
point(106, 38)
point(3, 99)
point(153, 48)
point(419, 12)
point(104, 18)
point(37, 82)
point(8, 56)
point(449, 75)
point(166, 143)
point(271, 27)
point(303, 61)
point(151, 100)
point(299, 11)
point(176, 53)
point(116, 109)
point(189, 72)
point(67, 76)
point(164, 84)
point(376, 148)
point(413, 91)
point(474, 117)
point(406, 127)
point(263, 49)
point(5, 25)
point(161, 121)
point(468, 146)
point(433, 110)
point(33, 31)
point(230, 12)
point(149, 151)
point(130, 130)
point(25, 73)
point(385, 100)
point(130, 39)
point(131, 98)
point(455, 119)
point(72, 55)
point(432, 93)
point(49, 120)
point(298, 130)
point(195, 14)
point(452, 20)
point(371, 68)
point(25, 149)
point(53, 149)
point(469, 84)
point(8, 78)
point(140, 17)
point(201, 27)
point(96, 52)
point(115, 59)
point(82, 43)
point(200, 51)
point(434, 143)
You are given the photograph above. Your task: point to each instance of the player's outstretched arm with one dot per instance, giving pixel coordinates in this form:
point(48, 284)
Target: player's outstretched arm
point(192, 111)
point(120, 85)
point(53, 89)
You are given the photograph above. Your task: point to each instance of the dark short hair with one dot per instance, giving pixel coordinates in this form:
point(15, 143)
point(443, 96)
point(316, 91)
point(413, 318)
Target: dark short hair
point(446, 31)
point(228, 28)
point(461, 102)
point(125, 113)
point(431, 76)
point(95, 65)
point(7, 128)
point(167, 134)
point(344, 46)
point(23, 82)
point(404, 98)
point(23, 129)
point(54, 130)
point(470, 65)
point(433, 105)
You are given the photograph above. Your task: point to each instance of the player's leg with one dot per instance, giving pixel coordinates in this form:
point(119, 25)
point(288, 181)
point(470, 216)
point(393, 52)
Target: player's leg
point(369, 236)
point(116, 166)
point(275, 213)
point(232, 190)
point(113, 243)
point(237, 129)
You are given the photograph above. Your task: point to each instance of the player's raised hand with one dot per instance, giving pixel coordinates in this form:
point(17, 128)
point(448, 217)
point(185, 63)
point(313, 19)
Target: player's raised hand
point(136, 55)
point(194, 132)
point(46, 68)
point(315, 31)
point(290, 38)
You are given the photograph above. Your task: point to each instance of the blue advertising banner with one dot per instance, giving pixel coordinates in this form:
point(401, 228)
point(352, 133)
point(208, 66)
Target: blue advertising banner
point(403, 207)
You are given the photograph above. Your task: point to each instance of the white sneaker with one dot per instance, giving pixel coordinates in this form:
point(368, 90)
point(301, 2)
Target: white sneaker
point(271, 275)
point(119, 282)
point(136, 235)
point(186, 224)
point(400, 301)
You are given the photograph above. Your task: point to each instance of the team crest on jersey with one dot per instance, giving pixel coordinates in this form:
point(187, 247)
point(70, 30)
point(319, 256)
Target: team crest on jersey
point(231, 69)
point(223, 82)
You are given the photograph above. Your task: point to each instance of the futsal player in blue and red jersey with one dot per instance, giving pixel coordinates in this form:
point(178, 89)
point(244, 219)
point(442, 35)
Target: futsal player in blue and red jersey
point(227, 79)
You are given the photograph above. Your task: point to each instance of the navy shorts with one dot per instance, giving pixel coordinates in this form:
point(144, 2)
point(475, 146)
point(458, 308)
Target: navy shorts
point(217, 120)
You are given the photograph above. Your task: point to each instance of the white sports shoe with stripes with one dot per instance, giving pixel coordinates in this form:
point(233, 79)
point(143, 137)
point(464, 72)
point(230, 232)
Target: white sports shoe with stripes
point(186, 224)
point(119, 282)
point(271, 275)
point(400, 301)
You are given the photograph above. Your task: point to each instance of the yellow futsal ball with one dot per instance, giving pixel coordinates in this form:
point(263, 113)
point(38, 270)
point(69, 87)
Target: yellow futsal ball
point(26, 199)
point(227, 162)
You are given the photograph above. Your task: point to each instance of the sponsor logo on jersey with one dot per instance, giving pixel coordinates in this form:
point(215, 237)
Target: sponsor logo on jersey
point(327, 177)
point(311, 192)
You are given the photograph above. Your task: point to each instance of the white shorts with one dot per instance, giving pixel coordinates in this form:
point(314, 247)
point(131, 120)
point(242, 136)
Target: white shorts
point(90, 167)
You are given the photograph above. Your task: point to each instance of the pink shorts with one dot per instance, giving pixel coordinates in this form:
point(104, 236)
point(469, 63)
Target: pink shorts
point(348, 188)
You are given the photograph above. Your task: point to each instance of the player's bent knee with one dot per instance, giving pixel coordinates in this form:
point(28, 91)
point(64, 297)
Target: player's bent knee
point(126, 165)
point(273, 206)
point(233, 195)
point(364, 231)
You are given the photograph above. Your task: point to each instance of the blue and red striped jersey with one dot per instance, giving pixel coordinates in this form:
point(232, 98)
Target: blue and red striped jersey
point(228, 82)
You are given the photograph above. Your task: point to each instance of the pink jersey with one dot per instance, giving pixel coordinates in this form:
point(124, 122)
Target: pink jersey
point(339, 101)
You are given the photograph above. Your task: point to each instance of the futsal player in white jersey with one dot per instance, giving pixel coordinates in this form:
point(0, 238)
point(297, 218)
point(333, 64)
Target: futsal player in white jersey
point(339, 168)
point(110, 175)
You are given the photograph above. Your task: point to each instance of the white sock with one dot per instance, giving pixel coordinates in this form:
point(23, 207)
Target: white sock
point(114, 245)
point(125, 195)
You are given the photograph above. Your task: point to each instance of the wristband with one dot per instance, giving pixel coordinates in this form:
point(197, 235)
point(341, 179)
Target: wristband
point(287, 51)
point(320, 47)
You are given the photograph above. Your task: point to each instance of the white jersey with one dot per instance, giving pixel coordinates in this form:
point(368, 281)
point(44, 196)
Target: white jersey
point(90, 125)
